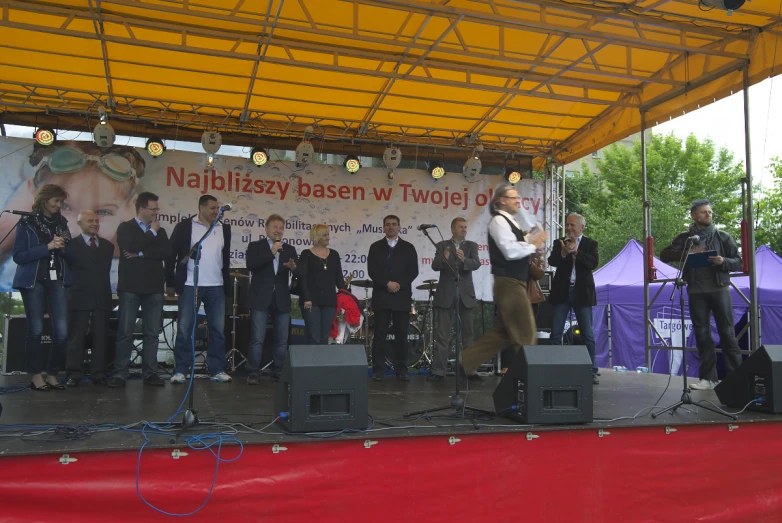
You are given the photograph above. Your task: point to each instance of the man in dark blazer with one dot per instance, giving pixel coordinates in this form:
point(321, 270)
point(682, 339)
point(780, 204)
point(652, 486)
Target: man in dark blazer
point(392, 265)
point(214, 283)
point(271, 263)
point(144, 247)
point(463, 255)
point(89, 257)
point(575, 257)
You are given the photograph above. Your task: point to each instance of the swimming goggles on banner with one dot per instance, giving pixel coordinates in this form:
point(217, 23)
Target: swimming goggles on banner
point(68, 160)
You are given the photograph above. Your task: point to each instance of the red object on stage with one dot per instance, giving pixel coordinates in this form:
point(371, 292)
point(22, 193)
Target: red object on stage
point(652, 274)
point(695, 473)
point(745, 246)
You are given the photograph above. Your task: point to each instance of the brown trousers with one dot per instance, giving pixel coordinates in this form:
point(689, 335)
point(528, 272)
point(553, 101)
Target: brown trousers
point(514, 324)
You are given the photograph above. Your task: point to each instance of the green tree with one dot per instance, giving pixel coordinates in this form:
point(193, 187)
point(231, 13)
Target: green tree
point(768, 210)
point(678, 171)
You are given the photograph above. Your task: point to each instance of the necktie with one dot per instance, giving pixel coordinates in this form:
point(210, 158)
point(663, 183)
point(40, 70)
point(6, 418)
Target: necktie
point(93, 245)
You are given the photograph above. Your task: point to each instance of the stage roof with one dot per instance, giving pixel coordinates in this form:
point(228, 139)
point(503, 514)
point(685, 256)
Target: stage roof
point(544, 77)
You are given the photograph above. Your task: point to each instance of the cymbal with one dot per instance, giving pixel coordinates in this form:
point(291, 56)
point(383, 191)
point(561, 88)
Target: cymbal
point(429, 286)
point(430, 281)
point(236, 274)
point(361, 283)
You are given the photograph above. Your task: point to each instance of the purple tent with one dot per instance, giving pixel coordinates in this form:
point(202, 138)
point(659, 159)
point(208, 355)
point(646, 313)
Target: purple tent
point(620, 296)
point(769, 278)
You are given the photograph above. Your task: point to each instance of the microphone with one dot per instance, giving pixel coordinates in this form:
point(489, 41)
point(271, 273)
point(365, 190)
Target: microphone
point(694, 238)
point(226, 207)
point(277, 240)
point(425, 226)
point(22, 213)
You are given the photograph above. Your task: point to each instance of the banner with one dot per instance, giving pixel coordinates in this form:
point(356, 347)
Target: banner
point(353, 206)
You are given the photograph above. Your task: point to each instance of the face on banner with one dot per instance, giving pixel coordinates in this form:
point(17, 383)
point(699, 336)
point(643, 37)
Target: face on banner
point(352, 206)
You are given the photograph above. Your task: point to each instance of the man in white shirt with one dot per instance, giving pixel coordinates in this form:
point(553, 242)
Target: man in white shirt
point(509, 253)
point(213, 284)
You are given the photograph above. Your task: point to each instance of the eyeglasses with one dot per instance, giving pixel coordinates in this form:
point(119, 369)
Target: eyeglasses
point(68, 160)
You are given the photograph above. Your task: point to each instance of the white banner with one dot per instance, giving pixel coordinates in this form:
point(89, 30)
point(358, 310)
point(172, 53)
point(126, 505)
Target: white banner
point(353, 206)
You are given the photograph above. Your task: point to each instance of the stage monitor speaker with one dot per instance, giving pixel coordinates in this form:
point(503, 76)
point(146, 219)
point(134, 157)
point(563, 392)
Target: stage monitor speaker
point(323, 388)
point(549, 384)
point(755, 379)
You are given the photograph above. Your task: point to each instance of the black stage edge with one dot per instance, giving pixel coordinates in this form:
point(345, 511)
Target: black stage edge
point(619, 394)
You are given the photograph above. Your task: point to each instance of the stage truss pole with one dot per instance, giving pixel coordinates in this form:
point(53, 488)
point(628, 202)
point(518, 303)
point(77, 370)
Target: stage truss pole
point(647, 226)
point(754, 322)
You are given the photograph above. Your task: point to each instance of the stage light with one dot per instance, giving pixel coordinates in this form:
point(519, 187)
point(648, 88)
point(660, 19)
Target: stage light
point(210, 159)
point(512, 175)
point(305, 151)
point(436, 170)
point(155, 147)
point(352, 163)
point(211, 142)
point(726, 5)
point(472, 167)
point(104, 135)
point(45, 136)
point(259, 156)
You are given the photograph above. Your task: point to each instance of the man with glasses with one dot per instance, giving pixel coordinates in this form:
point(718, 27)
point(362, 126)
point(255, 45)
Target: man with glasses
point(144, 246)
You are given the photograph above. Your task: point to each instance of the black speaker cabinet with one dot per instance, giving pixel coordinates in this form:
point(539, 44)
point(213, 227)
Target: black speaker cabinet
point(323, 388)
point(755, 379)
point(548, 384)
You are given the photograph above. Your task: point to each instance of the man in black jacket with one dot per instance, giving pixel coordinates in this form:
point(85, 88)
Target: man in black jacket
point(392, 265)
point(213, 284)
point(575, 257)
point(144, 246)
point(708, 291)
point(271, 263)
point(89, 256)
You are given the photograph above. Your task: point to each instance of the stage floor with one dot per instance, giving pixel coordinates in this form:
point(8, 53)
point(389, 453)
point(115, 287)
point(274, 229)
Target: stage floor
point(619, 395)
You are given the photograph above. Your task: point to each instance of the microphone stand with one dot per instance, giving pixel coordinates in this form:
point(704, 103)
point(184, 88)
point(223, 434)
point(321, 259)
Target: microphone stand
point(190, 418)
point(686, 399)
point(457, 402)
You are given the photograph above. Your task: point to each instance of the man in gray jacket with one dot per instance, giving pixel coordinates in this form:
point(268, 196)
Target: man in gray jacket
point(463, 255)
point(708, 291)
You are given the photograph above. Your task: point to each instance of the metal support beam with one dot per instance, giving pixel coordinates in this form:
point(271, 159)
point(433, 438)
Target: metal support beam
point(99, 31)
point(647, 228)
point(755, 334)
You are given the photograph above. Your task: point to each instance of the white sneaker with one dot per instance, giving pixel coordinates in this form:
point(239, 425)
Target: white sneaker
point(704, 385)
point(222, 377)
point(178, 378)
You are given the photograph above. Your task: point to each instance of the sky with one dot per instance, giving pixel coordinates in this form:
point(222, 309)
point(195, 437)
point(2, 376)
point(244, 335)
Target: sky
point(722, 121)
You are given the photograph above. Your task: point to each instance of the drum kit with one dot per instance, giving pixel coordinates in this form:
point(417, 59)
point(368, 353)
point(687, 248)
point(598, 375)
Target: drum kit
point(420, 330)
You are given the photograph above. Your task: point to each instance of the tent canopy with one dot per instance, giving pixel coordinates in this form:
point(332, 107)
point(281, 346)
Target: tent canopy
point(619, 280)
point(769, 277)
point(542, 77)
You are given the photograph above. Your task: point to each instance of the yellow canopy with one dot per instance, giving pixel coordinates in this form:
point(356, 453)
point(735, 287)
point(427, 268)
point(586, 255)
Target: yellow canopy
point(545, 77)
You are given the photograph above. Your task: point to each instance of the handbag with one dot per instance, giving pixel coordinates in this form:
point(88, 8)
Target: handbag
point(534, 292)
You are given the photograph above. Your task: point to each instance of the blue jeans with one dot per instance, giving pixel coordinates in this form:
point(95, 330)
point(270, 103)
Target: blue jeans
point(258, 320)
point(213, 299)
point(52, 294)
point(152, 318)
point(583, 313)
point(317, 323)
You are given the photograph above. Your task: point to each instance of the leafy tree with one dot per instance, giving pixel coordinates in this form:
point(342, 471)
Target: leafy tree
point(678, 171)
point(768, 211)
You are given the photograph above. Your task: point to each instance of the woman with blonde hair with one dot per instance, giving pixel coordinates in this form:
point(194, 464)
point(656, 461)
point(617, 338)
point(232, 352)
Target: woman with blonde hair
point(41, 277)
point(320, 275)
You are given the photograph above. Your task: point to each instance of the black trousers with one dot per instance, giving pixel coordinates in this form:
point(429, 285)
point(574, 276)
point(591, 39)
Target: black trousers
point(702, 306)
point(77, 332)
point(383, 318)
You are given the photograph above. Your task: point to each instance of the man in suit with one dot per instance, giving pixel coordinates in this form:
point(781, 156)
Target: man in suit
point(213, 284)
point(462, 254)
point(575, 257)
point(89, 298)
point(392, 265)
point(144, 247)
point(271, 263)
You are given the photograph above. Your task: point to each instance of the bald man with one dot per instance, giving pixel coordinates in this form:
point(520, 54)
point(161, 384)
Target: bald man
point(89, 257)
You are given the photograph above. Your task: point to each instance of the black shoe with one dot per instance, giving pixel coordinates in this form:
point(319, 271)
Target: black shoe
point(475, 377)
point(252, 380)
point(45, 386)
point(402, 377)
point(595, 381)
point(100, 381)
point(115, 383)
point(57, 385)
point(154, 380)
point(72, 382)
point(435, 377)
